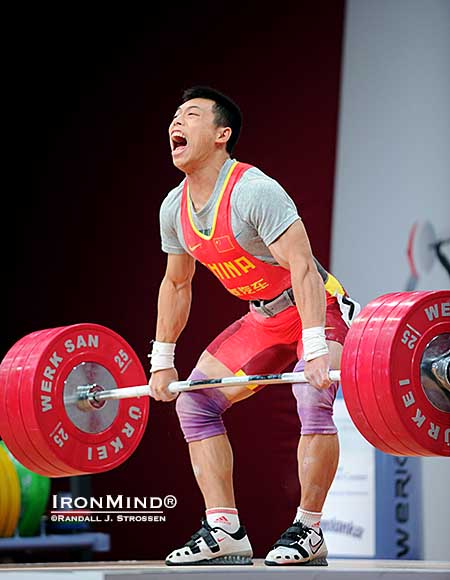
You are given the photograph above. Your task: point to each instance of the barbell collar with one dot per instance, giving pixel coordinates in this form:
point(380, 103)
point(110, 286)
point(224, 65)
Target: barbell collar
point(440, 370)
point(124, 393)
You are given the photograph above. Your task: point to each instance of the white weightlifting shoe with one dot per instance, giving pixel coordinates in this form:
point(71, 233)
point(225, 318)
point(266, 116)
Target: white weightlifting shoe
point(213, 546)
point(299, 546)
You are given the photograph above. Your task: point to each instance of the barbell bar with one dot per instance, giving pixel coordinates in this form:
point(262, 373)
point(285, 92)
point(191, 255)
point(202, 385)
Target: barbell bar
point(68, 407)
point(90, 394)
point(437, 368)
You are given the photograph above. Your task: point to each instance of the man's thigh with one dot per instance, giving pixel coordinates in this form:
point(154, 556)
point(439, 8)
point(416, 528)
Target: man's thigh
point(251, 345)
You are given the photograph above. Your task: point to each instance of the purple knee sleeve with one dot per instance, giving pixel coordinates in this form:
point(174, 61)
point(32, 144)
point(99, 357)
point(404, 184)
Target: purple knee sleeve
point(315, 406)
point(200, 412)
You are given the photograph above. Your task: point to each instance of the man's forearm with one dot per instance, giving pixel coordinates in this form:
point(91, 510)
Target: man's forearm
point(309, 293)
point(174, 304)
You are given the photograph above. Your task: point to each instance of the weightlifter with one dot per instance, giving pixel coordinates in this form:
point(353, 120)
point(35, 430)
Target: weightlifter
point(244, 227)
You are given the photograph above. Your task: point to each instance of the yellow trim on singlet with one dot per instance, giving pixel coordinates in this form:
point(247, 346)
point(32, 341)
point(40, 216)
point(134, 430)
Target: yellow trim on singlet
point(240, 373)
point(216, 211)
point(333, 286)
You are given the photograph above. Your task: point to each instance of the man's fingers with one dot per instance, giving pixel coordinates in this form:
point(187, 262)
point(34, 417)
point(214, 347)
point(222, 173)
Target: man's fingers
point(318, 379)
point(160, 393)
point(317, 372)
point(159, 382)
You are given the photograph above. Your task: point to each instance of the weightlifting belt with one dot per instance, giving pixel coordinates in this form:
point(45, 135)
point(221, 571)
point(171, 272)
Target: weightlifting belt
point(269, 308)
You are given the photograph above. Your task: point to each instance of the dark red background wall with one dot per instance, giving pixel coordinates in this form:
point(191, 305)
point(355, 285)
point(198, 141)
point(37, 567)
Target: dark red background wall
point(91, 165)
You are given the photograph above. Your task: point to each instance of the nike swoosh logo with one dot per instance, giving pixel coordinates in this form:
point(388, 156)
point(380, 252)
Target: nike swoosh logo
point(220, 539)
point(193, 248)
point(315, 547)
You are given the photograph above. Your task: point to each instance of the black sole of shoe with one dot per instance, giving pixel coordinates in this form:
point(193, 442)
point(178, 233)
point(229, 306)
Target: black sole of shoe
point(221, 561)
point(314, 562)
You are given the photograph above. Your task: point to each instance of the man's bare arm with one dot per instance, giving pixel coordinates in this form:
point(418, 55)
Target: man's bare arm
point(174, 304)
point(293, 251)
point(174, 300)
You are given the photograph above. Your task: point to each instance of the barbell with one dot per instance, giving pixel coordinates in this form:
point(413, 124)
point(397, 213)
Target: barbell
point(68, 404)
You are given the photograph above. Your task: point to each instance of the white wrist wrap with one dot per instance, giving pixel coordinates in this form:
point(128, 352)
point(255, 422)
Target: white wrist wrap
point(314, 343)
point(162, 356)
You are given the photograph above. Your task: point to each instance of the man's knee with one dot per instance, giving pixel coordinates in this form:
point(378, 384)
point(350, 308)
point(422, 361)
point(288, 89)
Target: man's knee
point(315, 406)
point(200, 413)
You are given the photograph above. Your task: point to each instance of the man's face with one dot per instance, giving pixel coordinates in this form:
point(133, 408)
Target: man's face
point(193, 133)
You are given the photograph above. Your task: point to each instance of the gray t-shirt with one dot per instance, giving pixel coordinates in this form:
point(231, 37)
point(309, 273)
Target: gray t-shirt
point(261, 211)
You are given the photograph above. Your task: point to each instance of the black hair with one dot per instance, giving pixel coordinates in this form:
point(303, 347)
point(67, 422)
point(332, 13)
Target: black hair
point(226, 112)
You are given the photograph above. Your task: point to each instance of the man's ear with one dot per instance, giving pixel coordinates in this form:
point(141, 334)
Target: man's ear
point(223, 134)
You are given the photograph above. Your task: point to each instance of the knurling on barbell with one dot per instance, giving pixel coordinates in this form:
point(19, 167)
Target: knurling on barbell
point(65, 392)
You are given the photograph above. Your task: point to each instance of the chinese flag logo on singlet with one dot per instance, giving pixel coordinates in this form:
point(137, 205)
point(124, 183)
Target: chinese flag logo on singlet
point(223, 244)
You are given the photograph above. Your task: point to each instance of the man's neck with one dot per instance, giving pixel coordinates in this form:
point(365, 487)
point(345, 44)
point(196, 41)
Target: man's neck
point(202, 180)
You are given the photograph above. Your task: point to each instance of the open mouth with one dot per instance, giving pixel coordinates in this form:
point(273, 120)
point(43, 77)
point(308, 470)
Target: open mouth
point(179, 142)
